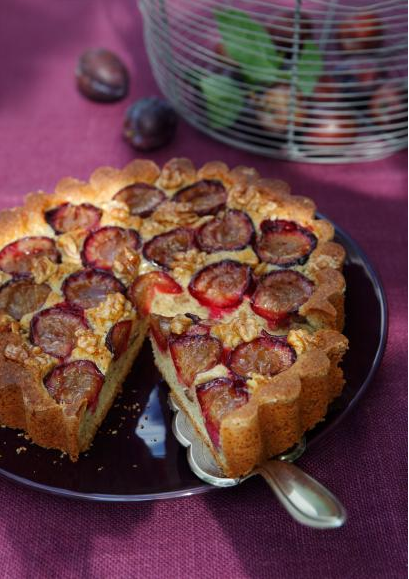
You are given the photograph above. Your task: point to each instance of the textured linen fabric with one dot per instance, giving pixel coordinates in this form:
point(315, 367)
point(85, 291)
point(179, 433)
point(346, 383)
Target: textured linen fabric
point(47, 131)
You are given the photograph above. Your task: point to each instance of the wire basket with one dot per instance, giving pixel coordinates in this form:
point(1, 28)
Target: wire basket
point(320, 81)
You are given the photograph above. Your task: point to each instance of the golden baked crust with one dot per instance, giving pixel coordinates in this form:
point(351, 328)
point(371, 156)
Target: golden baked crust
point(280, 408)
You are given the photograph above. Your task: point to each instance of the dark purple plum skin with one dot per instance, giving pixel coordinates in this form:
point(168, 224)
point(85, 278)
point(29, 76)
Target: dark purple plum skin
point(102, 76)
point(205, 188)
point(150, 123)
point(242, 220)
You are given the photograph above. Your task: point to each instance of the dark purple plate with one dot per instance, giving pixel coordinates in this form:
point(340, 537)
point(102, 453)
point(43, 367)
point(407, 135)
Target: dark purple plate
point(135, 456)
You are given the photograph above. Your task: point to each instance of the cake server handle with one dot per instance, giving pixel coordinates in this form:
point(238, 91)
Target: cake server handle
point(304, 498)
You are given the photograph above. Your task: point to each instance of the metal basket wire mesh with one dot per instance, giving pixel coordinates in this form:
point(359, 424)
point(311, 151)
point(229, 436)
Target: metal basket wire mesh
point(320, 81)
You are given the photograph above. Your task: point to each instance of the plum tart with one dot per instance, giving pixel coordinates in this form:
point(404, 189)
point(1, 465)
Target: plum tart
point(238, 284)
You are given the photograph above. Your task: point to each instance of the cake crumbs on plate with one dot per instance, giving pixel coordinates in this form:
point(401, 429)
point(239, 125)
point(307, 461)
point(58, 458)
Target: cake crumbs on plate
point(21, 449)
point(114, 432)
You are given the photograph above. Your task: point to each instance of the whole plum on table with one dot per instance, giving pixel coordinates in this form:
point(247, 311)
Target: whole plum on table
point(102, 76)
point(363, 31)
point(150, 123)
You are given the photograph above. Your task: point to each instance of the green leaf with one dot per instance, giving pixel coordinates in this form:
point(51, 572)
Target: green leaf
point(310, 67)
point(249, 44)
point(224, 100)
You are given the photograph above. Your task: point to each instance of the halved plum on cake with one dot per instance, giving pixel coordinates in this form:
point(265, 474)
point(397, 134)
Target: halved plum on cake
point(17, 258)
point(221, 285)
point(205, 197)
point(284, 243)
point(146, 286)
point(162, 248)
point(266, 355)
point(280, 294)
point(217, 398)
point(68, 217)
point(141, 198)
point(232, 231)
point(192, 354)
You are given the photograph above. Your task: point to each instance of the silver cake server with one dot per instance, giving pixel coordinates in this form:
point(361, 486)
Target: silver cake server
point(304, 498)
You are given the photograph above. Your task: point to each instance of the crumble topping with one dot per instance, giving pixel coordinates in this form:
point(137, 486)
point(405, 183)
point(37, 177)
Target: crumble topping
point(43, 268)
point(180, 323)
point(168, 216)
point(116, 212)
point(253, 200)
point(115, 308)
point(30, 356)
point(126, 265)
point(300, 340)
point(91, 347)
point(69, 244)
point(187, 263)
point(8, 324)
point(243, 328)
point(87, 341)
point(176, 173)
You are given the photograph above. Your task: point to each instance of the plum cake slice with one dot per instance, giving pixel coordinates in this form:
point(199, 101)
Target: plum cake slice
point(238, 282)
point(249, 393)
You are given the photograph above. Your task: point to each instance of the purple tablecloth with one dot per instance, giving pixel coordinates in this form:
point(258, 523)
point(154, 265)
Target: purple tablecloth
point(47, 131)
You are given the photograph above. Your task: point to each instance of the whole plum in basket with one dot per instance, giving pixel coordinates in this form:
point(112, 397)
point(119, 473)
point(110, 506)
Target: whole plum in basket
point(363, 31)
point(388, 104)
